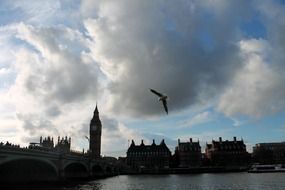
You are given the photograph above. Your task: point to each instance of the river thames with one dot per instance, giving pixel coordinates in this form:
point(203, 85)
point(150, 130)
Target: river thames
point(221, 181)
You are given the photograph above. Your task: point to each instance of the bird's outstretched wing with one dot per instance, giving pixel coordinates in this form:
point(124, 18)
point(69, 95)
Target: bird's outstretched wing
point(155, 92)
point(165, 105)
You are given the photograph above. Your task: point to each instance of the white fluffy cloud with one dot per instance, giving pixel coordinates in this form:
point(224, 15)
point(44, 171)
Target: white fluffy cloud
point(257, 89)
point(200, 118)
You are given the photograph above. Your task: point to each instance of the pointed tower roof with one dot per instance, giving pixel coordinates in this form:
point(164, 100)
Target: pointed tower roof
point(95, 115)
point(96, 109)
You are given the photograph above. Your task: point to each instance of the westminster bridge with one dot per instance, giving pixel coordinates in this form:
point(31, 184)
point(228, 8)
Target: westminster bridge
point(27, 164)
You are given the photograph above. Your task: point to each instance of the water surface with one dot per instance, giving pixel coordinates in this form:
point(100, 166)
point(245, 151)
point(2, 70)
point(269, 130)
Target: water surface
point(242, 181)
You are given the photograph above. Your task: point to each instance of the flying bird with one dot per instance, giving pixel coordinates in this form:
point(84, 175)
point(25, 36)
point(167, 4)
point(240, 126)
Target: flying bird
point(162, 98)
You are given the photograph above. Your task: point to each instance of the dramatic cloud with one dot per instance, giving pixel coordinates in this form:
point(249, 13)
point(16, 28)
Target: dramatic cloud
point(59, 57)
point(53, 72)
point(170, 49)
point(257, 88)
point(61, 73)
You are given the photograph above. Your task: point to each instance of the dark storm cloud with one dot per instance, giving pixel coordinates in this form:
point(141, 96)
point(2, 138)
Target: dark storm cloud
point(185, 49)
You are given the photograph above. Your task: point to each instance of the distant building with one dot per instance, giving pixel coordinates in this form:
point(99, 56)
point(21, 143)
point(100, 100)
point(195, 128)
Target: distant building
point(63, 145)
point(152, 157)
point(227, 153)
point(95, 135)
point(188, 154)
point(269, 153)
point(47, 142)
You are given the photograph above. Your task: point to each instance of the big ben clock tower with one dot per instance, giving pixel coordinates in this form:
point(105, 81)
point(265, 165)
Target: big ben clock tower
point(95, 135)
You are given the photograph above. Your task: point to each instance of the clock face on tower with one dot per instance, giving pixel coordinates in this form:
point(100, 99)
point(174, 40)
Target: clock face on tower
point(93, 127)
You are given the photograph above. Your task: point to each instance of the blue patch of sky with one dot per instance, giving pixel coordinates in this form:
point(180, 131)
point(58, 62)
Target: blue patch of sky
point(175, 126)
point(204, 33)
point(253, 27)
point(19, 43)
point(217, 123)
point(10, 14)
point(71, 8)
point(206, 39)
point(62, 15)
point(154, 125)
point(169, 25)
point(7, 80)
point(282, 1)
point(267, 129)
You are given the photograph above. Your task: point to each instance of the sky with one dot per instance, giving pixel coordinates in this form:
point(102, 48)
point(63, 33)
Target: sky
point(220, 62)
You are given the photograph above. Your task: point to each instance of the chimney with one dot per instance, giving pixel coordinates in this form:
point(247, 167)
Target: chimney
point(190, 140)
point(178, 141)
point(235, 139)
point(153, 142)
point(142, 143)
point(220, 139)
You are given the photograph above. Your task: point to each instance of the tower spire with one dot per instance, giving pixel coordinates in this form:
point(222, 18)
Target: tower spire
point(96, 109)
point(95, 134)
point(95, 114)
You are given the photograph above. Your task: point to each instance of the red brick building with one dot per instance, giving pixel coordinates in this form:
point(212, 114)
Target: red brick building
point(227, 153)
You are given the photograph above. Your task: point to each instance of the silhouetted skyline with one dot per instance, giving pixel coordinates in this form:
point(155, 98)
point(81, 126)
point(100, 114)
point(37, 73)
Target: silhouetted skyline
point(220, 63)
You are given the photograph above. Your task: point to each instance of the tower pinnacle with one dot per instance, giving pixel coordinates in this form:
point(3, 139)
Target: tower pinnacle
point(96, 109)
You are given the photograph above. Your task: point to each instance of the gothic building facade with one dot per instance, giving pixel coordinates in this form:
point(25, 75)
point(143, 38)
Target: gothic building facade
point(148, 157)
point(48, 144)
point(95, 133)
point(63, 144)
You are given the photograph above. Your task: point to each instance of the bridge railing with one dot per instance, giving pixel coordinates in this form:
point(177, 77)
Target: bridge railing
point(28, 149)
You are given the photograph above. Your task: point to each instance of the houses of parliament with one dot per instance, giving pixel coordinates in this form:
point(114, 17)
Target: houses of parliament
point(63, 143)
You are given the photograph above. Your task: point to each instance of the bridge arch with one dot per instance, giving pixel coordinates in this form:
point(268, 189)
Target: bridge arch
point(109, 170)
point(75, 170)
point(28, 169)
point(97, 171)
